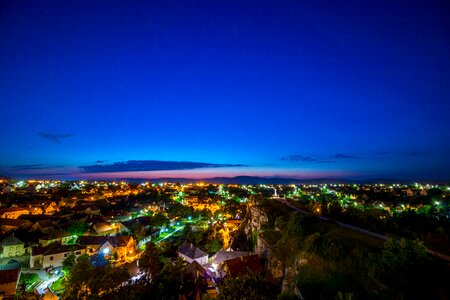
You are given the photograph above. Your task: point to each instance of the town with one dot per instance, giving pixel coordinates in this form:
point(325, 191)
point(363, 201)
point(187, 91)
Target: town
point(50, 228)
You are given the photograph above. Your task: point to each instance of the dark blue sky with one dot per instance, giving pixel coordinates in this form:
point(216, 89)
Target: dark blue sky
point(271, 88)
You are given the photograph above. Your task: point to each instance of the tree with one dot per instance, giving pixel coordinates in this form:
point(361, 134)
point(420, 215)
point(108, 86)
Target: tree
point(404, 265)
point(160, 220)
point(138, 231)
point(151, 264)
point(247, 287)
point(69, 262)
point(213, 246)
point(76, 285)
point(403, 253)
point(77, 228)
point(88, 282)
point(171, 281)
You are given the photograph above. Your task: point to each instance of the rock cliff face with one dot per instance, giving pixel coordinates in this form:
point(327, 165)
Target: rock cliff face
point(289, 279)
point(257, 218)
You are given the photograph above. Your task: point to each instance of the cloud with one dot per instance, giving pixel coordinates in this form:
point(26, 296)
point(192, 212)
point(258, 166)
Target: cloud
point(320, 160)
point(405, 153)
point(414, 153)
point(299, 158)
point(151, 165)
point(29, 167)
point(55, 138)
point(342, 156)
point(37, 170)
point(382, 153)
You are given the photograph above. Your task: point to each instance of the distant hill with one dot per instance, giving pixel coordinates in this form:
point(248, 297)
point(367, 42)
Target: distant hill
point(273, 180)
point(263, 180)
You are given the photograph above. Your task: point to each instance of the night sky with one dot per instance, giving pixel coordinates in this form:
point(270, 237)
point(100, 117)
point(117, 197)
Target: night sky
point(199, 89)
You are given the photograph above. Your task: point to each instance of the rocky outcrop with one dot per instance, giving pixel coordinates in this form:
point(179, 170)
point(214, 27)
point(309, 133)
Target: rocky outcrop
point(256, 219)
point(276, 268)
point(289, 279)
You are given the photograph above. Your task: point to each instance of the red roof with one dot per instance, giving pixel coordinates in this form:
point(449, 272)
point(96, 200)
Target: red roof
point(8, 281)
point(244, 264)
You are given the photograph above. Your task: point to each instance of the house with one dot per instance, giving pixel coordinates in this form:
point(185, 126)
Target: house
point(13, 212)
point(221, 256)
point(124, 246)
point(49, 295)
point(11, 247)
point(35, 210)
point(202, 282)
point(189, 252)
point(44, 226)
point(103, 228)
point(53, 255)
point(7, 190)
point(409, 193)
point(9, 280)
point(241, 265)
point(56, 235)
point(50, 208)
point(195, 270)
point(7, 225)
point(86, 209)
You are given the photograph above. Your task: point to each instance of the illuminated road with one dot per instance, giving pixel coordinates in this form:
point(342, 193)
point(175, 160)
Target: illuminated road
point(359, 229)
point(170, 234)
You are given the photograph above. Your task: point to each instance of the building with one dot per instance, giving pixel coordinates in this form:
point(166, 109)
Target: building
point(43, 226)
point(11, 247)
point(7, 225)
point(120, 246)
point(56, 235)
point(222, 256)
point(35, 210)
point(189, 253)
point(123, 246)
point(103, 228)
point(53, 255)
point(241, 265)
point(13, 212)
point(9, 278)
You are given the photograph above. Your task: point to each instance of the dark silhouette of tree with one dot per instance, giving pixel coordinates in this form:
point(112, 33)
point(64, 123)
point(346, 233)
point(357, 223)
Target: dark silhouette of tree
point(247, 287)
point(69, 262)
point(77, 228)
point(88, 282)
point(150, 263)
point(404, 266)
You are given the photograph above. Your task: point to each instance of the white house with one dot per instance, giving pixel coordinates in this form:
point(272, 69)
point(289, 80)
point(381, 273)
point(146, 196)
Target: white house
point(189, 252)
point(11, 247)
point(53, 255)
